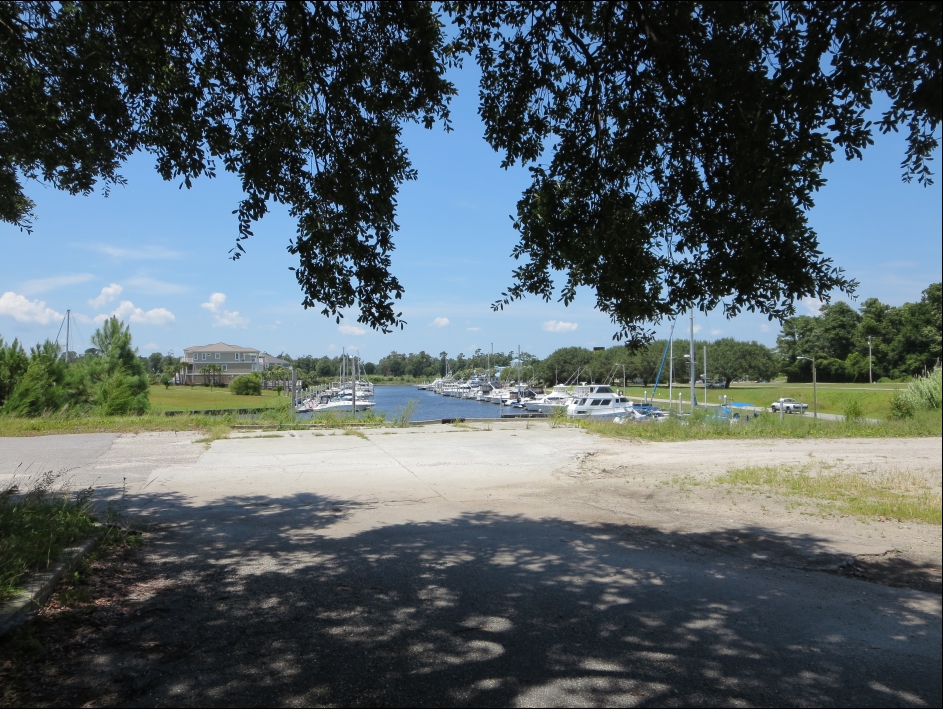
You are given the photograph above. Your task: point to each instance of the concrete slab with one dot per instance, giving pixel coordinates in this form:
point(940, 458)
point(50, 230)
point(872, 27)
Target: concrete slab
point(523, 565)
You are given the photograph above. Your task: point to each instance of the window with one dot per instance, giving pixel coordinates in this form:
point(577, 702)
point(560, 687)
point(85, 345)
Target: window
point(255, 368)
point(217, 355)
point(596, 402)
point(225, 367)
point(237, 355)
point(204, 355)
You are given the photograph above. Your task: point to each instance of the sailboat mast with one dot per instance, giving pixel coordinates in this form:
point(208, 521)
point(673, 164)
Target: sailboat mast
point(68, 323)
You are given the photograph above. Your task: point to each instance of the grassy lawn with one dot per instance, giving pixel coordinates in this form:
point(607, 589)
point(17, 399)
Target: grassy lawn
point(874, 399)
point(184, 398)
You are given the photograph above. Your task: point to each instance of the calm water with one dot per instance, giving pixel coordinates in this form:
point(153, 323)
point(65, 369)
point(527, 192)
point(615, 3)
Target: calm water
point(431, 406)
point(391, 400)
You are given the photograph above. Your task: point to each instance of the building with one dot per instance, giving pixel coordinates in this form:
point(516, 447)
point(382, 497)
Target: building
point(270, 361)
point(233, 361)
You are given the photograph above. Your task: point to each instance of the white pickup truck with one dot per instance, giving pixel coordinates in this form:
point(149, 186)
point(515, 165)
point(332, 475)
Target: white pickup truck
point(789, 406)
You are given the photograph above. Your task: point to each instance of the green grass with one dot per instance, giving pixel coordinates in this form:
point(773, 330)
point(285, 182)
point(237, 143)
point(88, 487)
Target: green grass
point(926, 424)
point(901, 497)
point(875, 400)
point(199, 398)
point(35, 527)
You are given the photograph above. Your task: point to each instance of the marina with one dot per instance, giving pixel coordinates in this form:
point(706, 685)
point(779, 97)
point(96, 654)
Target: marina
point(447, 398)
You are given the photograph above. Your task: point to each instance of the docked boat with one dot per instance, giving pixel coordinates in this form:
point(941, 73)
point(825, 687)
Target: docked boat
point(597, 401)
point(554, 400)
point(341, 395)
point(338, 402)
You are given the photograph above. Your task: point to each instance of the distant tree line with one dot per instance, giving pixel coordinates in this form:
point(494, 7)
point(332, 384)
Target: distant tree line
point(905, 341)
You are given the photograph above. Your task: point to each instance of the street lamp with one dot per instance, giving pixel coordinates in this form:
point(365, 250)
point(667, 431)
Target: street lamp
point(815, 401)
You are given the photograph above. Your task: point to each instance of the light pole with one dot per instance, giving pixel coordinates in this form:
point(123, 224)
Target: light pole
point(815, 400)
point(870, 377)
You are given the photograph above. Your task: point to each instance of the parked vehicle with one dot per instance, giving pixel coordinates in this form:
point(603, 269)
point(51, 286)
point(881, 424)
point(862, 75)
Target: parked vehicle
point(789, 406)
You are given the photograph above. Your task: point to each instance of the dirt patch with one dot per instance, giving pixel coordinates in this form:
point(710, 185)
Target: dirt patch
point(42, 661)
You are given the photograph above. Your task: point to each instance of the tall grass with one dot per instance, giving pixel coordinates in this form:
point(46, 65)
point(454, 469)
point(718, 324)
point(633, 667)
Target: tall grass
point(922, 394)
point(904, 499)
point(701, 427)
point(36, 525)
point(403, 414)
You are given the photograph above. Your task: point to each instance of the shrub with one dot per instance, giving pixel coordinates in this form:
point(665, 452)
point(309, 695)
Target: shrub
point(247, 385)
point(41, 388)
point(853, 410)
point(923, 394)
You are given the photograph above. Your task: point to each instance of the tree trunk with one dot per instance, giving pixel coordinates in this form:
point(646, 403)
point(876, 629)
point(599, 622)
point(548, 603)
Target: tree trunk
point(727, 381)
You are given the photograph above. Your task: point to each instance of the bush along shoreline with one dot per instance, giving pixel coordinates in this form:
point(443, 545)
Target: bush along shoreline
point(112, 381)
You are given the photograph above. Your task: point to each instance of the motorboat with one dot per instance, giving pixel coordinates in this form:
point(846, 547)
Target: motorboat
point(597, 401)
point(554, 400)
point(327, 402)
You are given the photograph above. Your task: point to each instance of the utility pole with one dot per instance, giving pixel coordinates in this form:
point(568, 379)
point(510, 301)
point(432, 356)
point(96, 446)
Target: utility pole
point(870, 377)
point(671, 368)
point(691, 366)
point(815, 397)
point(68, 322)
point(705, 375)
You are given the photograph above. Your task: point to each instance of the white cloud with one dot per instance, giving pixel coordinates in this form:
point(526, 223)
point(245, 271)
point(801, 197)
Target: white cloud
point(474, 329)
point(41, 285)
point(20, 308)
point(108, 294)
point(716, 332)
point(350, 330)
point(143, 253)
point(127, 311)
point(560, 326)
point(152, 286)
point(221, 316)
point(150, 346)
point(331, 347)
point(813, 305)
point(764, 327)
point(697, 329)
point(440, 322)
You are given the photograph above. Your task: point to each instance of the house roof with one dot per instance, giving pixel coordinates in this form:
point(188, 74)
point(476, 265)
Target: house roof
point(219, 347)
point(272, 359)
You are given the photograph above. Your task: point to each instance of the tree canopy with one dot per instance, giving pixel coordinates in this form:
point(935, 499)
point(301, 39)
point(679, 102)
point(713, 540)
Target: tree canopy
point(675, 148)
point(904, 340)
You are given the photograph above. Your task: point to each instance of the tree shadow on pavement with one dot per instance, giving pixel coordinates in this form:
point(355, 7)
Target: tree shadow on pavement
point(271, 601)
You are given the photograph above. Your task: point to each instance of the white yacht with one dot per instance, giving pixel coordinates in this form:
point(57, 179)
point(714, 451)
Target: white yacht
point(597, 400)
point(551, 401)
point(337, 402)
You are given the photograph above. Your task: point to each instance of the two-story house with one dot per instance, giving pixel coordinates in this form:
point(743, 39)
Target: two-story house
point(232, 361)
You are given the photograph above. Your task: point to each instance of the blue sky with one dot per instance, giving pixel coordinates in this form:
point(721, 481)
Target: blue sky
point(157, 255)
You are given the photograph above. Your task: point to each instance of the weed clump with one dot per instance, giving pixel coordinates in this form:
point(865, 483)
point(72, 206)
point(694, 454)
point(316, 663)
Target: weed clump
point(849, 494)
point(36, 525)
point(923, 394)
